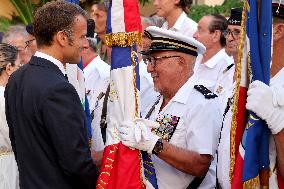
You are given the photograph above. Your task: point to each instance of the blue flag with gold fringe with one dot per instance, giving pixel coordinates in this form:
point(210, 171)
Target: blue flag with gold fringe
point(256, 136)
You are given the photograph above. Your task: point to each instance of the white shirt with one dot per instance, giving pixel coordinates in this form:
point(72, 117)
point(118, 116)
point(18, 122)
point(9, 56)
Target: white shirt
point(5, 144)
point(223, 165)
point(148, 95)
point(97, 74)
point(277, 80)
point(183, 25)
point(215, 74)
point(51, 59)
point(192, 131)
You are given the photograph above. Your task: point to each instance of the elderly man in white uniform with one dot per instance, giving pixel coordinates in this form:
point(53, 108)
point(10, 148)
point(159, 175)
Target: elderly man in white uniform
point(175, 14)
point(179, 150)
point(232, 35)
point(214, 68)
point(96, 73)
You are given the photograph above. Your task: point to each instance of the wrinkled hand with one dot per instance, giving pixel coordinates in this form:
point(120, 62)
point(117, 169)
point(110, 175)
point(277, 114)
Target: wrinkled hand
point(137, 134)
point(268, 103)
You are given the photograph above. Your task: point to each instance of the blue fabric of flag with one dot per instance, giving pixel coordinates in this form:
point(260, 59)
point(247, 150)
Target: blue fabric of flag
point(259, 31)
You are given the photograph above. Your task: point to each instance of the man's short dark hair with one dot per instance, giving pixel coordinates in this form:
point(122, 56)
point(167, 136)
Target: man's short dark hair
point(219, 22)
point(54, 17)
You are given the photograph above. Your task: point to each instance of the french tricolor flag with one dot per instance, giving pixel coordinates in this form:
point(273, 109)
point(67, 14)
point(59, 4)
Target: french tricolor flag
point(122, 167)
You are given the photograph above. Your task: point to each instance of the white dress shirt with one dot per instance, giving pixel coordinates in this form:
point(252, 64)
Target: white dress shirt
point(183, 25)
point(97, 74)
point(51, 59)
point(223, 164)
point(192, 131)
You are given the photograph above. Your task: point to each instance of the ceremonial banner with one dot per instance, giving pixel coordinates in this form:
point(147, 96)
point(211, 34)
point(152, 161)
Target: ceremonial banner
point(250, 164)
point(122, 167)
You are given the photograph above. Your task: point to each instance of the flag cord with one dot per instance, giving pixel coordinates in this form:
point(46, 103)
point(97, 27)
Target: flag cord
point(236, 92)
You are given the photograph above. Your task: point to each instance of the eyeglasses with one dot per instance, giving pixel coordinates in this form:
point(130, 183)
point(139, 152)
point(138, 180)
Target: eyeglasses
point(235, 33)
point(152, 61)
point(28, 43)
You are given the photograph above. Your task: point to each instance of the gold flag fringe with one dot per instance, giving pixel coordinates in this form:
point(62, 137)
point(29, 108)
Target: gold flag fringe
point(237, 90)
point(134, 58)
point(253, 183)
point(123, 39)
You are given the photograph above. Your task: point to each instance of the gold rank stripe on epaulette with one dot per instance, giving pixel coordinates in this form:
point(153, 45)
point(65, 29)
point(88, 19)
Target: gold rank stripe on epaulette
point(206, 92)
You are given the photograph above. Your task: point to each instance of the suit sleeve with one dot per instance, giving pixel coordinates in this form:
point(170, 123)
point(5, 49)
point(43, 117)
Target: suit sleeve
point(64, 119)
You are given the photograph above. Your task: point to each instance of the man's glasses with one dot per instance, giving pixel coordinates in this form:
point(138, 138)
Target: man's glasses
point(235, 33)
point(153, 61)
point(28, 43)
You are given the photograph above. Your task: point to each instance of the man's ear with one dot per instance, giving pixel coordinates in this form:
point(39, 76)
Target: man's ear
point(217, 35)
point(9, 69)
point(177, 2)
point(278, 32)
point(61, 38)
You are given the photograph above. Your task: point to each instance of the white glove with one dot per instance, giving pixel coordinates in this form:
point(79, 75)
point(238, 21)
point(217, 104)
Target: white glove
point(137, 134)
point(267, 102)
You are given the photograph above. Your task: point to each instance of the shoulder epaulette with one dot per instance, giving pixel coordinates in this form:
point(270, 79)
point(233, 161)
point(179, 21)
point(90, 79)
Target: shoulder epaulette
point(206, 92)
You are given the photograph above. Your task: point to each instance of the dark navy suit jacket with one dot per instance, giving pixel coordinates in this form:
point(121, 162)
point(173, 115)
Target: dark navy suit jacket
point(47, 129)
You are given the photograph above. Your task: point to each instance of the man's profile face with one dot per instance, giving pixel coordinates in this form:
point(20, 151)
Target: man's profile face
point(77, 41)
point(100, 17)
point(233, 39)
point(203, 35)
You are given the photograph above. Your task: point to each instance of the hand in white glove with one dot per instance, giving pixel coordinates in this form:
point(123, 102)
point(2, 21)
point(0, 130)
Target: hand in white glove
point(267, 102)
point(137, 134)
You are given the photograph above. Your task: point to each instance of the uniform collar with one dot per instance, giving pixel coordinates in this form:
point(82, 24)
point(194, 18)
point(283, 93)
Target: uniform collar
point(91, 59)
point(183, 93)
point(213, 61)
point(180, 21)
point(178, 24)
point(51, 59)
point(98, 64)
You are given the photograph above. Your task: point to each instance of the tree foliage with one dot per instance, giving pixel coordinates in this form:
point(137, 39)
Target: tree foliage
point(198, 11)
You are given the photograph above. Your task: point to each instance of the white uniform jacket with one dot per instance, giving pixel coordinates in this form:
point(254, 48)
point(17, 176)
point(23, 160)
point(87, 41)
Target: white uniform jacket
point(191, 122)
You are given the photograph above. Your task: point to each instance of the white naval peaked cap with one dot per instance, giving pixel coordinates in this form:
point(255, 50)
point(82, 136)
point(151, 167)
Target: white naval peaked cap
point(166, 40)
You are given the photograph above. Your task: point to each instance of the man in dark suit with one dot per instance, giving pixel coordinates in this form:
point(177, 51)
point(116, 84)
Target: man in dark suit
point(44, 112)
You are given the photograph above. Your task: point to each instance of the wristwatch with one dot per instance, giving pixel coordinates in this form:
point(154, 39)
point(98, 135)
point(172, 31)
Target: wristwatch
point(158, 148)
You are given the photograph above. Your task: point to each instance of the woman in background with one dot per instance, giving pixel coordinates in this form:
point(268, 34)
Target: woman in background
point(9, 62)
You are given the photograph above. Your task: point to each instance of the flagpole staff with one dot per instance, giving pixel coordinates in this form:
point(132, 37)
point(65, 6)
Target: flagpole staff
point(238, 72)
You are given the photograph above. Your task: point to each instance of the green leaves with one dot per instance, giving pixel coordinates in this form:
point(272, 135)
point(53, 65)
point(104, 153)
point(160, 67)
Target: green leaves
point(25, 10)
point(196, 12)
